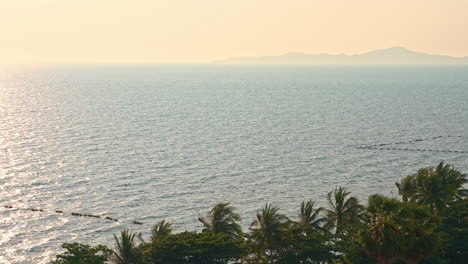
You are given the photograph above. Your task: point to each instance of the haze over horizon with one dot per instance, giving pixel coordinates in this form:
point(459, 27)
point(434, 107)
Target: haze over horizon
point(393, 55)
point(143, 31)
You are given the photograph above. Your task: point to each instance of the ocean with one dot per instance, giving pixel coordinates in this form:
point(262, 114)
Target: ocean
point(151, 142)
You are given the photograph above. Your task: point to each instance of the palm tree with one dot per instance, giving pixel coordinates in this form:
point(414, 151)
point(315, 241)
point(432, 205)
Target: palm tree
point(455, 179)
point(381, 237)
point(420, 240)
point(222, 219)
point(309, 218)
point(344, 210)
point(128, 251)
point(435, 188)
point(268, 231)
point(407, 188)
point(397, 230)
point(162, 228)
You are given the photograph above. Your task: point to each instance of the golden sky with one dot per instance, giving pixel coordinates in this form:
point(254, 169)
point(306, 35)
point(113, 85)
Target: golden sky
point(179, 31)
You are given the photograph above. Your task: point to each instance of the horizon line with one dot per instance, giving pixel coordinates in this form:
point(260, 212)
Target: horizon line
point(219, 61)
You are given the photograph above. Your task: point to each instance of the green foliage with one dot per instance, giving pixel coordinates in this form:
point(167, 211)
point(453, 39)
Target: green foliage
point(77, 253)
point(310, 219)
point(128, 251)
point(222, 219)
point(162, 228)
point(191, 247)
point(268, 232)
point(455, 229)
point(381, 236)
point(429, 226)
point(420, 237)
point(396, 230)
point(434, 188)
point(348, 246)
point(344, 210)
point(306, 248)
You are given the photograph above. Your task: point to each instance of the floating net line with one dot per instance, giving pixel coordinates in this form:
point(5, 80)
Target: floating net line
point(413, 141)
point(410, 149)
point(76, 214)
point(381, 146)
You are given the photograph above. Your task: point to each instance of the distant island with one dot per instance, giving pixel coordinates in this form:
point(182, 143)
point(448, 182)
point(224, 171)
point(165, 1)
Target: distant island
point(394, 55)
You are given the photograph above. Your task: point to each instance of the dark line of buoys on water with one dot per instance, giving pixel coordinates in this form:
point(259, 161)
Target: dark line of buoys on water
point(411, 141)
point(408, 149)
point(72, 214)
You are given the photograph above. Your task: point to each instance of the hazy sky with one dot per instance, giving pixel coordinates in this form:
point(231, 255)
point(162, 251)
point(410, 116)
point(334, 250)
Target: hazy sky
point(67, 31)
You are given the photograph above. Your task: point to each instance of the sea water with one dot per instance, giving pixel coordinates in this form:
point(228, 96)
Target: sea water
point(151, 142)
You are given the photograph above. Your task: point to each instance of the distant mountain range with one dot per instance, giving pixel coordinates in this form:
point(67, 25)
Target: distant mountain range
point(395, 55)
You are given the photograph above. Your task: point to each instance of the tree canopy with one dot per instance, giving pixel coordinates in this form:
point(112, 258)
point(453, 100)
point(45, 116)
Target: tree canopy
point(428, 225)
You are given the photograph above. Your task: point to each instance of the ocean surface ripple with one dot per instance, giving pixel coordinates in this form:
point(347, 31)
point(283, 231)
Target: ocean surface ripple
point(146, 143)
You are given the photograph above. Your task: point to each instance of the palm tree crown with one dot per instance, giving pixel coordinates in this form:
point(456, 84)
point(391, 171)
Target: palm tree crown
point(434, 188)
point(381, 238)
point(268, 229)
point(421, 239)
point(128, 251)
point(162, 228)
point(397, 230)
point(344, 210)
point(309, 218)
point(222, 219)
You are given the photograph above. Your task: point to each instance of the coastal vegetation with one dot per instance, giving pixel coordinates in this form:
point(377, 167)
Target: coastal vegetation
point(427, 224)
